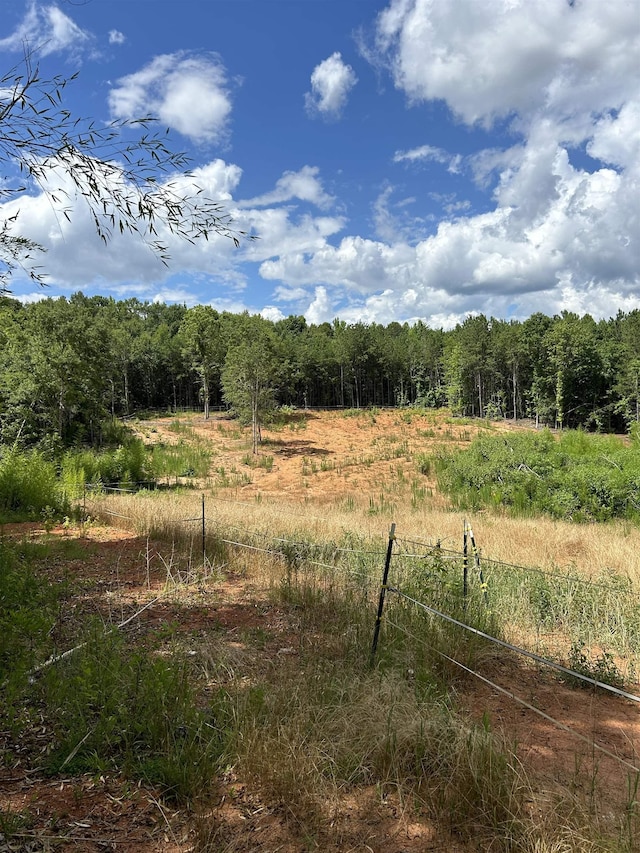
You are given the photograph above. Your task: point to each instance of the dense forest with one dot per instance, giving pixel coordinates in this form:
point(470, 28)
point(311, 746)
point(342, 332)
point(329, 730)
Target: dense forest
point(69, 366)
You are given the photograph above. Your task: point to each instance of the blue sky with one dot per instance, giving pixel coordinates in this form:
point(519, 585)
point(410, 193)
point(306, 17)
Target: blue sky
point(399, 160)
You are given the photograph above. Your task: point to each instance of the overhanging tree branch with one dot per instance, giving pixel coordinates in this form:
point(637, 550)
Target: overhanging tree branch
point(137, 186)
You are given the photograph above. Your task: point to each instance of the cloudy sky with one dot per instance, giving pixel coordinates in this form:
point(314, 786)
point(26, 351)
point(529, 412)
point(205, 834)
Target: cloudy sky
point(397, 160)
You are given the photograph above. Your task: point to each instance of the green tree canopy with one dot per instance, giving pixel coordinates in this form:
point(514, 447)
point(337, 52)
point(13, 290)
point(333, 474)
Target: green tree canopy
point(250, 378)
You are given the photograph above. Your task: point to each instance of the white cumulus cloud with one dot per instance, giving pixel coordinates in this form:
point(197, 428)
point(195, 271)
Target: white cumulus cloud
point(189, 93)
point(116, 37)
point(495, 57)
point(47, 30)
point(563, 230)
point(303, 185)
point(331, 81)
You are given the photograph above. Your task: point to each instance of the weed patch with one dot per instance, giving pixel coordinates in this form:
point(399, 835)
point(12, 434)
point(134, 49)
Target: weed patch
point(579, 477)
point(113, 708)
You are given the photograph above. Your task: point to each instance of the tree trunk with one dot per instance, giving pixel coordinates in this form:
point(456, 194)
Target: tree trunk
point(126, 389)
point(255, 426)
point(205, 393)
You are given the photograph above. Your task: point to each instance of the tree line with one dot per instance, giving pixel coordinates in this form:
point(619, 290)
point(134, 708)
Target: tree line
point(69, 366)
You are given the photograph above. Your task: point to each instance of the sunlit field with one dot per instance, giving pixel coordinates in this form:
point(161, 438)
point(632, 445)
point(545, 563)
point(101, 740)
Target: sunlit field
point(252, 585)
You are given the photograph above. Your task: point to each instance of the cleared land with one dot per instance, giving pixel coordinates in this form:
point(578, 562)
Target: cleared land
point(323, 477)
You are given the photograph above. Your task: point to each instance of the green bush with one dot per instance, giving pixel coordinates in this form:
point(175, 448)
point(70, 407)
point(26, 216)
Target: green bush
point(129, 464)
point(578, 476)
point(28, 484)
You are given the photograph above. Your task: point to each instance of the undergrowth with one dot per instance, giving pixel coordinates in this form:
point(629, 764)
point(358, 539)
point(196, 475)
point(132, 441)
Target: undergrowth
point(578, 476)
point(28, 485)
point(113, 708)
point(304, 728)
point(28, 612)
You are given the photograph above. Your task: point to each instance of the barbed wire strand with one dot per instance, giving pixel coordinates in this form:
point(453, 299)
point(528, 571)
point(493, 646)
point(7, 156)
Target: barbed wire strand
point(340, 570)
point(253, 533)
point(447, 554)
point(517, 649)
point(115, 514)
point(252, 547)
point(321, 545)
point(302, 545)
point(403, 555)
point(520, 701)
point(452, 554)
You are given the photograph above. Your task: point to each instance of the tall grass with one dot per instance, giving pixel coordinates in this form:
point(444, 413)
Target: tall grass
point(553, 545)
point(320, 725)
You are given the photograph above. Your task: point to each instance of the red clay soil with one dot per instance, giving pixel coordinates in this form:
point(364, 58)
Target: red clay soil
point(323, 457)
point(119, 572)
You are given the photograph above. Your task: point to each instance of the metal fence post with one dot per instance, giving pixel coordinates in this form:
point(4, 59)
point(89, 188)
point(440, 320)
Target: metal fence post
point(383, 589)
point(465, 565)
point(476, 558)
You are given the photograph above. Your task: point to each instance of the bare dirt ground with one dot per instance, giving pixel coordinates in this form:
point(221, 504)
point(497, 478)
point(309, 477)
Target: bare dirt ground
point(324, 457)
point(119, 573)
point(329, 460)
point(87, 814)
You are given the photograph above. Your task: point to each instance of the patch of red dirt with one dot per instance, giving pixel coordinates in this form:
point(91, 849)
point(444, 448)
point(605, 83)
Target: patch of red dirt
point(563, 759)
point(121, 572)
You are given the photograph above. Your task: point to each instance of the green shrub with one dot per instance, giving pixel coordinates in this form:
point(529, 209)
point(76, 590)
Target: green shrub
point(28, 484)
point(129, 464)
point(579, 476)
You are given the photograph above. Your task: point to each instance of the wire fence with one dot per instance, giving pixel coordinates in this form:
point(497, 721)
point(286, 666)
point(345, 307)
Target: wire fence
point(465, 592)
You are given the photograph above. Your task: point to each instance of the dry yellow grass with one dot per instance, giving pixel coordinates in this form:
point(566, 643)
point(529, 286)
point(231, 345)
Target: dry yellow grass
point(351, 477)
point(537, 542)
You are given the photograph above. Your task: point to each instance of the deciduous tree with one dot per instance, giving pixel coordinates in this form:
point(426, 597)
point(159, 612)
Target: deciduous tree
point(249, 380)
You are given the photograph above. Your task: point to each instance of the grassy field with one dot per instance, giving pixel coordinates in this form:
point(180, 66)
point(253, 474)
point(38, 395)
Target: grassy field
point(242, 699)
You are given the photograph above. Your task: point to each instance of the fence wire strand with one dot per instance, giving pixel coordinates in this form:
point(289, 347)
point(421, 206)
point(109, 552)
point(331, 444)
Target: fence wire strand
point(435, 551)
point(532, 655)
point(518, 699)
point(334, 569)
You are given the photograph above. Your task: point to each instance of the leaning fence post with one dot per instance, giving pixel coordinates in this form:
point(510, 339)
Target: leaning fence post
point(383, 589)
